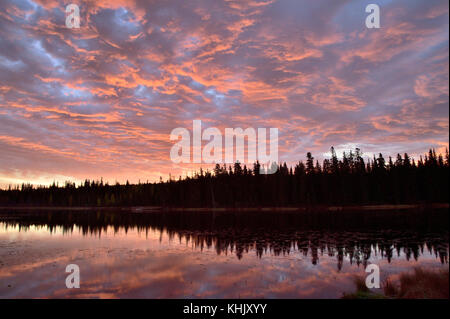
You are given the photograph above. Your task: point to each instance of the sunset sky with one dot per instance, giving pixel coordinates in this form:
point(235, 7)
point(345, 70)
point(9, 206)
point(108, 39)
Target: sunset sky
point(101, 101)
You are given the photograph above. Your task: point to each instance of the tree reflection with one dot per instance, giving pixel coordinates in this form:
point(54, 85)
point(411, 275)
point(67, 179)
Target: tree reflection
point(356, 236)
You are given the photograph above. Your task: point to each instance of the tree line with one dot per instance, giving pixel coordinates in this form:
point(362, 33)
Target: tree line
point(349, 180)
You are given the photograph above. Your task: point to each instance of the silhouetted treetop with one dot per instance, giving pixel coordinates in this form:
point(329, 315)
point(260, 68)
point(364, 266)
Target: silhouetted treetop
point(346, 181)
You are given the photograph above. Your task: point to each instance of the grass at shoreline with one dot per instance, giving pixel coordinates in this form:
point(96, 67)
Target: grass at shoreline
point(419, 284)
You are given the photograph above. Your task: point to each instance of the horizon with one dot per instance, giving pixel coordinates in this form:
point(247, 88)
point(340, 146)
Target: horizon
point(209, 168)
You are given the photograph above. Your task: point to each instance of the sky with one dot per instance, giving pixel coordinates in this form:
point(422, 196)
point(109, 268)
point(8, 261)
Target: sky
point(101, 101)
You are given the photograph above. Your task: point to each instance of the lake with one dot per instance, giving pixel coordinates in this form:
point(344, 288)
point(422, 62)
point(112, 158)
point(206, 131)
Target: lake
point(124, 254)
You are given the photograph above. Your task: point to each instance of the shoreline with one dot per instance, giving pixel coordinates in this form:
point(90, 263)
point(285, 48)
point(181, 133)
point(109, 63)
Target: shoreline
point(315, 208)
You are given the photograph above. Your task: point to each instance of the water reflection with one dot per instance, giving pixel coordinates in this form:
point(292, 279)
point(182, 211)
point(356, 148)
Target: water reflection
point(354, 236)
point(202, 255)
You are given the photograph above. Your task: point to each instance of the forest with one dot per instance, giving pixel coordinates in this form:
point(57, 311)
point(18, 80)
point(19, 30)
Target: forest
point(349, 180)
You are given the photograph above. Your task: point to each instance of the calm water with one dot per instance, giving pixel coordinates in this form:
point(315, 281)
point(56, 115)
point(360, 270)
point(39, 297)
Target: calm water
point(226, 255)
